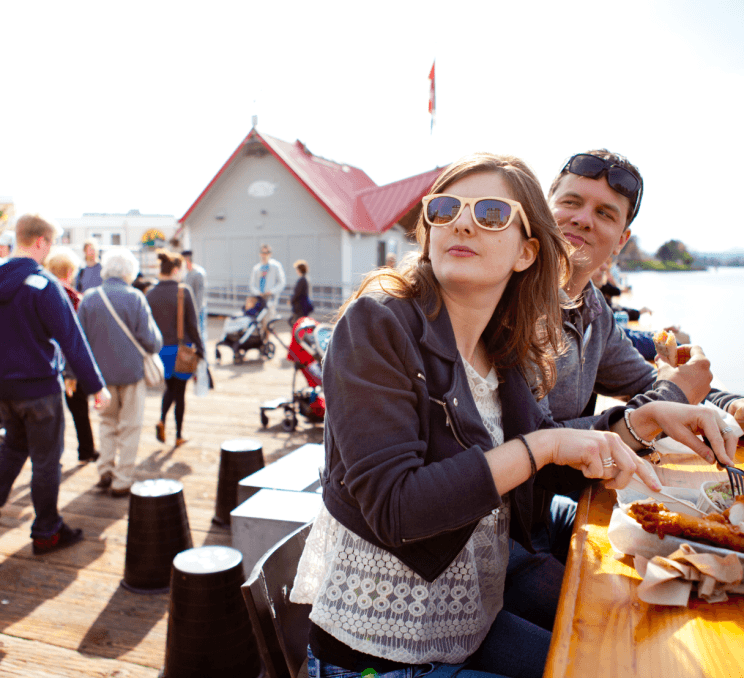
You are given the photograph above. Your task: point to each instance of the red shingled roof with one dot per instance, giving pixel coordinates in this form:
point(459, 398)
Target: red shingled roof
point(346, 192)
point(378, 208)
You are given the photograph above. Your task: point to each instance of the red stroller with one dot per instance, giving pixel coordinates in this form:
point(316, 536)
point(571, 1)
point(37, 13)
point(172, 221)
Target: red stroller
point(306, 350)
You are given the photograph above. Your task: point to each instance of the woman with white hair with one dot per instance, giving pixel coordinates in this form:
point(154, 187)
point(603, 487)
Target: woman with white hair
point(120, 363)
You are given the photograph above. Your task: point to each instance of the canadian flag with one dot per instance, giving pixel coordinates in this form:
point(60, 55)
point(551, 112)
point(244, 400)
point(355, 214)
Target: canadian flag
point(432, 95)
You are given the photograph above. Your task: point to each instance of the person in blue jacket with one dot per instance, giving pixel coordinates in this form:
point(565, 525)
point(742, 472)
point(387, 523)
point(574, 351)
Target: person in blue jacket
point(36, 321)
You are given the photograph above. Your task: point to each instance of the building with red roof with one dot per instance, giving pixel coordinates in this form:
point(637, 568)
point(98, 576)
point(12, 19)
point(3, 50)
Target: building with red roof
point(279, 193)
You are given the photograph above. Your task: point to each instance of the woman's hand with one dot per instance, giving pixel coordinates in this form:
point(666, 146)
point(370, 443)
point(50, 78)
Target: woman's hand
point(685, 423)
point(601, 454)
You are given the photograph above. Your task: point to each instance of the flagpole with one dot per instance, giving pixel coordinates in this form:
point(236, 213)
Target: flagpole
point(432, 95)
point(432, 110)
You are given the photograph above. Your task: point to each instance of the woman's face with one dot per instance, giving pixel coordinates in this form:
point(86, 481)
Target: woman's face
point(468, 259)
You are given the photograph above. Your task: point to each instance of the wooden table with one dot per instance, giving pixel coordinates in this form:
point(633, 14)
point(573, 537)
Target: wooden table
point(604, 629)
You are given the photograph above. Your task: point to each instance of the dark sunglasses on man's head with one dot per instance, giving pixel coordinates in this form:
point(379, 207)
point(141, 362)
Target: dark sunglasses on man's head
point(619, 178)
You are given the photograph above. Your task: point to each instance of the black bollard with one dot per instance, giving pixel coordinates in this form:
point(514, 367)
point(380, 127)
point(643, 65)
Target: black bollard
point(158, 529)
point(209, 630)
point(238, 459)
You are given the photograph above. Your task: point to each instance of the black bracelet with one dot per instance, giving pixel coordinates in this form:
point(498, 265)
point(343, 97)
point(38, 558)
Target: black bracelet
point(533, 465)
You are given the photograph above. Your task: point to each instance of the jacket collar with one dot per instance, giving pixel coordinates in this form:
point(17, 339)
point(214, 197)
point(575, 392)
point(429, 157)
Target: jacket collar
point(438, 335)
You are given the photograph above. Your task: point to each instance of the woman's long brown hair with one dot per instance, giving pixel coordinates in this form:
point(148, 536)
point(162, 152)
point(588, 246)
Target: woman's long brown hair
point(525, 329)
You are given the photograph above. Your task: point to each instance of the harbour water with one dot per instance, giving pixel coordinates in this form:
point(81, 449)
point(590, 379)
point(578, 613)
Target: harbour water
point(705, 304)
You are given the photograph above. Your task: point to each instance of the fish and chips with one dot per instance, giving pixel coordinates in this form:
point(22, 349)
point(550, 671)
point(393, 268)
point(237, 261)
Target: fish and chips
point(715, 528)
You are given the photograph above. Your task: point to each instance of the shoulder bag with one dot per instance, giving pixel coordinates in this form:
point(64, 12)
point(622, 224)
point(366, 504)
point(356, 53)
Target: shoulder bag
point(186, 358)
point(154, 371)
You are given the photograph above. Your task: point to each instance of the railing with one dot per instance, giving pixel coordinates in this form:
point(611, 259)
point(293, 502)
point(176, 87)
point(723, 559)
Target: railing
point(227, 297)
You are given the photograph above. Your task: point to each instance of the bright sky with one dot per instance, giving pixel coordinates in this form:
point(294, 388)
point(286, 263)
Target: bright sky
point(116, 106)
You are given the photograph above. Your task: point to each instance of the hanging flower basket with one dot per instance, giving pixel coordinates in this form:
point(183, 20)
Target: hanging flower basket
point(153, 238)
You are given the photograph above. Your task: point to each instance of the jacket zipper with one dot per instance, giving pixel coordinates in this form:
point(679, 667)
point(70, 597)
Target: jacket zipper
point(449, 421)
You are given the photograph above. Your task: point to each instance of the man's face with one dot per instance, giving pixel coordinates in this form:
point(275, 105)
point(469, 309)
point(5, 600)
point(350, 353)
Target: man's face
point(4, 250)
point(592, 217)
point(90, 253)
point(265, 256)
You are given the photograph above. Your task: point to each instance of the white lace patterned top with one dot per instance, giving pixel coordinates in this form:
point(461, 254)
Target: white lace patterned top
point(368, 599)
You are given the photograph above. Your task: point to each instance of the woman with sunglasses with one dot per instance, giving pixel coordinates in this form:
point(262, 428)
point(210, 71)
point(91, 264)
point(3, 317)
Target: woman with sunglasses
point(434, 442)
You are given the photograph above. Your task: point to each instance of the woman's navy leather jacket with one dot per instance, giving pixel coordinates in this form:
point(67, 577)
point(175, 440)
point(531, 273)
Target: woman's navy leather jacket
point(405, 464)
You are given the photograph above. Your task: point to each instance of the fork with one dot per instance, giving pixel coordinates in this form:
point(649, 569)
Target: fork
point(735, 475)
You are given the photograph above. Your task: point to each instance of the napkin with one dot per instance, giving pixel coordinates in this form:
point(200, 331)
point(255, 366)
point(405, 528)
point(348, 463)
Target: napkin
point(671, 446)
point(669, 580)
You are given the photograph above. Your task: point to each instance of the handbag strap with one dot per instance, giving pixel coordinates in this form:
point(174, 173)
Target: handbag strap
point(179, 321)
point(107, 302)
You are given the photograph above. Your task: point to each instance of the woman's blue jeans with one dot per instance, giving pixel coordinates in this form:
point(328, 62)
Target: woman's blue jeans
point(513, 648)
point(533, 580)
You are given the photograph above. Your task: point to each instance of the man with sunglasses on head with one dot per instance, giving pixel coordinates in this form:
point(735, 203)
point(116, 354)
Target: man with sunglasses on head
point(594, 199)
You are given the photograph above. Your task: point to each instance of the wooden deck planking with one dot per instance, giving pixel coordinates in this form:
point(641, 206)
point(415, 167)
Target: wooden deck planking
point(65, 614)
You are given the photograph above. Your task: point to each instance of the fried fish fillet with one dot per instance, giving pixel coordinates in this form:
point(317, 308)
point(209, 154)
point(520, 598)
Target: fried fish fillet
point(712, 529)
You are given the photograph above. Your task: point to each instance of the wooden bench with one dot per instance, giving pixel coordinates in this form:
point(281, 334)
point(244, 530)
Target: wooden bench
point(280, 626)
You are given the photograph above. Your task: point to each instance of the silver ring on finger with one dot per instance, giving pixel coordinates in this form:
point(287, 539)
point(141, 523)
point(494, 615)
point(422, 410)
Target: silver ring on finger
point(728, 429)
point(609, 462)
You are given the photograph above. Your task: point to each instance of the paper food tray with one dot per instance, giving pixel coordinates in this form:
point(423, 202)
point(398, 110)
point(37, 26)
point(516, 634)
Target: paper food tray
point(628, 537)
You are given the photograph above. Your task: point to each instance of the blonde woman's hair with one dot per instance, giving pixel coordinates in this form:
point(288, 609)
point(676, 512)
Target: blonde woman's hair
point(63, 262)
point(525, 329)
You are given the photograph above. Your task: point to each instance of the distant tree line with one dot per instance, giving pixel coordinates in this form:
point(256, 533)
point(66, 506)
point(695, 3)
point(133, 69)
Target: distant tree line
point(673, 255)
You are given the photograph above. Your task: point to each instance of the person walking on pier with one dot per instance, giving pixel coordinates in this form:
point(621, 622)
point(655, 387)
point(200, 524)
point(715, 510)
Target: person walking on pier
point(120, 362)
point(36, 320)
point(163, 300)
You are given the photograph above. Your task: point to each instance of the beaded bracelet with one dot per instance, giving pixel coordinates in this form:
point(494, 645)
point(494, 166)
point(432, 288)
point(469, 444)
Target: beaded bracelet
point(533, 465)
point(650, 445)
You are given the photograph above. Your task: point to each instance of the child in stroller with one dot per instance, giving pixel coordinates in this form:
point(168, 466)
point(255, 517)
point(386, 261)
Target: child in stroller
point(241, 333)
point(306, 350)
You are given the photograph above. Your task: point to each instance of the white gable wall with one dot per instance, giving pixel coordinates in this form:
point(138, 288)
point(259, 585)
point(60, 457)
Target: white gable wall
point(258, 200)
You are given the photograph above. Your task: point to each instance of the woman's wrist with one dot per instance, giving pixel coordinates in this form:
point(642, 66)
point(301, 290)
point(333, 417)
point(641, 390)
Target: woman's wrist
point(542, 445)
point(641, 424)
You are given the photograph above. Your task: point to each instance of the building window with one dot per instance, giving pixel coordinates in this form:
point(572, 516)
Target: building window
point(66, 236)
point(381, 249)
point(116, 238)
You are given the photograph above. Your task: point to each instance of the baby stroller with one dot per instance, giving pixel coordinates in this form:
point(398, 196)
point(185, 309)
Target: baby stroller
point(306, 350)
point(241, 333)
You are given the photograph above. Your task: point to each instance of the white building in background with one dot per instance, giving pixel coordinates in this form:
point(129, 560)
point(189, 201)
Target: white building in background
point(133, 230)
point(304, 206)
